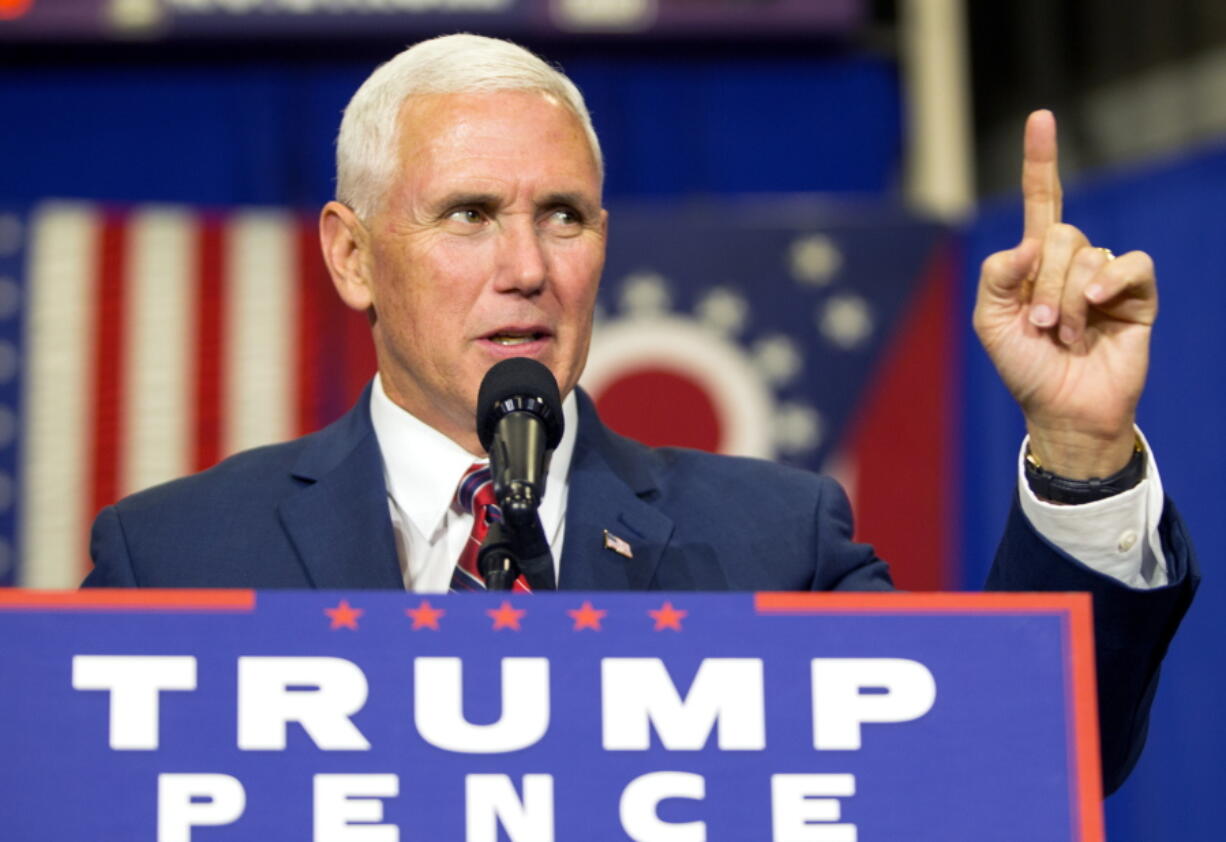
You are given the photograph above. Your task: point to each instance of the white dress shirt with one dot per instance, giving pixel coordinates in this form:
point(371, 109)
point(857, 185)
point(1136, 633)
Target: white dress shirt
point(422, 468)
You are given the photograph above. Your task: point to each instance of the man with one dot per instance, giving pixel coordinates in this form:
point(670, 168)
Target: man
point(469, 228)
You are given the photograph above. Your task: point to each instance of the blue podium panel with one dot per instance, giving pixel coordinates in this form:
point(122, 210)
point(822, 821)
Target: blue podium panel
point(379, 716)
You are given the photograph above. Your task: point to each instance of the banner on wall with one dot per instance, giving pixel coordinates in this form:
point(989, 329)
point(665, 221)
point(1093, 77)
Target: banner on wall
point(50, 19)
point(144, 343)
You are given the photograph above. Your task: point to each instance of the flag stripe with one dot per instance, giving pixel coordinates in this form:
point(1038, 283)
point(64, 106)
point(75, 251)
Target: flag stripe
point(309, 339)
point(156, 429)
point(108, 374)
point(209, 326)
point(259, 307)
point(60, 328)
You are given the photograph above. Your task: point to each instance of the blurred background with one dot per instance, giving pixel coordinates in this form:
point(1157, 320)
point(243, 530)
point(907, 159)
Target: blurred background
point(801, 192)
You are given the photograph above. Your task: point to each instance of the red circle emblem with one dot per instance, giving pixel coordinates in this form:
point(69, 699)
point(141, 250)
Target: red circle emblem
point(669, 380)
point(646, 403)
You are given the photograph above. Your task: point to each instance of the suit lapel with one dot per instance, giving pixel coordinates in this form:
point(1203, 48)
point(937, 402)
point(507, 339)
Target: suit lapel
point(610, 478)
point(340, 526)
point(339, 522)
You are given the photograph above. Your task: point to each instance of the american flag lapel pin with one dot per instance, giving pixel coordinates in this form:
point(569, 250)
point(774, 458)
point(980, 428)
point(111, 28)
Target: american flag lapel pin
point(617, 545)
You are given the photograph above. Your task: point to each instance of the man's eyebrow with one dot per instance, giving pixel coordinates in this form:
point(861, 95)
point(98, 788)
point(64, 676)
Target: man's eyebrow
point(460, 199)
point(575, 200)
point(454, 200)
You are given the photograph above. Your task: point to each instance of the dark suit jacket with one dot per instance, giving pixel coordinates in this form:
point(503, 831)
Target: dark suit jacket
point(313, 513)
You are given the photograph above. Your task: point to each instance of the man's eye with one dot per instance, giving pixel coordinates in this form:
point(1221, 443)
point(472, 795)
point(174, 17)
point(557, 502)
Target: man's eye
point(565, 216)
point(469, 216)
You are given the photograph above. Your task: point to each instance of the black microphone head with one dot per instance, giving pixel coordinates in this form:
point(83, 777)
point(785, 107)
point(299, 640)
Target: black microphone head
point(519, 384)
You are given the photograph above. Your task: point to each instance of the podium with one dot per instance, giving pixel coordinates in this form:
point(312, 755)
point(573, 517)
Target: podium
point(657, 717)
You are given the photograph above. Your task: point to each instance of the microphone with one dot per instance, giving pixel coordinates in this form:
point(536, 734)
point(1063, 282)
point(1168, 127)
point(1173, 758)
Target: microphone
point(519, 423)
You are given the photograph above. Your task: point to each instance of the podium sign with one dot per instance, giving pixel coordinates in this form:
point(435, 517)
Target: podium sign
point(660, 717)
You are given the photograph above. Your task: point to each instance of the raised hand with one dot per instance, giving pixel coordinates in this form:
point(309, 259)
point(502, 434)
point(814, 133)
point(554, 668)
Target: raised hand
point(1067, 326)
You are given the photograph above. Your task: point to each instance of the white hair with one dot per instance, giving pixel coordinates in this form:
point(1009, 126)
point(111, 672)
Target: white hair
point(450, 64)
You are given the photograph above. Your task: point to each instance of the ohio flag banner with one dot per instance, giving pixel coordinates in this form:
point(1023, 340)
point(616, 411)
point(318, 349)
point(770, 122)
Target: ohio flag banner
point(142, 343)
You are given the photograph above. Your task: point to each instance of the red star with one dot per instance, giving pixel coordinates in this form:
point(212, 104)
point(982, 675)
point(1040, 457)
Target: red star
point(425, 616)
point(668, 617)
point(506, 617)
point(344, 617)
point(587, 617)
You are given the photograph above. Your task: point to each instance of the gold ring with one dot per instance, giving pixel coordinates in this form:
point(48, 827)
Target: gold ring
point(1108, 252)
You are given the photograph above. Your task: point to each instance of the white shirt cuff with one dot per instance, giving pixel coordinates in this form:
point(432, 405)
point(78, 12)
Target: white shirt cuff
point(1117, 537)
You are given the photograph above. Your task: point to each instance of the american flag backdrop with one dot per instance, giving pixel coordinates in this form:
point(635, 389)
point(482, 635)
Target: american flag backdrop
point(158, 340)
point(142, 343)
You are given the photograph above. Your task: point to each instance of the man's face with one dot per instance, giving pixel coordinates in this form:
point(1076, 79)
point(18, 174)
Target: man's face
point(489, 244)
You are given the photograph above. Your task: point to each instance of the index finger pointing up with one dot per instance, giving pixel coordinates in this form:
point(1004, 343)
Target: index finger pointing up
point(1041, 194)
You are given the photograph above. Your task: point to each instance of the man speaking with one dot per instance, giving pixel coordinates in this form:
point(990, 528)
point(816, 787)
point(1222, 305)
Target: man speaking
point(469, 228)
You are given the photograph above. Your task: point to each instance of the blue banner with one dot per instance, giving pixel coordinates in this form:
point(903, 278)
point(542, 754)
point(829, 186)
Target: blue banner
point(380, 716)
point(103, 19)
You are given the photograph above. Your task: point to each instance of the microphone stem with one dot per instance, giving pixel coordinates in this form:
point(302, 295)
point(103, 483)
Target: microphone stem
point(496, 560)
point(501, 580)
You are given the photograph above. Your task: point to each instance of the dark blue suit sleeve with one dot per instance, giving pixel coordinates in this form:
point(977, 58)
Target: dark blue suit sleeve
point(1132, 628)
point(109, 548)
point(844, 564)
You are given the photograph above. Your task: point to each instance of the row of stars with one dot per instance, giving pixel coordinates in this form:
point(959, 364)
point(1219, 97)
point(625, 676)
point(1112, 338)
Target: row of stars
point(505, 616)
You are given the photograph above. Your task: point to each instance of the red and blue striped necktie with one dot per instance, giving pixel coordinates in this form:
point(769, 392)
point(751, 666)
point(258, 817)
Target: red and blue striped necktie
point(475, 494)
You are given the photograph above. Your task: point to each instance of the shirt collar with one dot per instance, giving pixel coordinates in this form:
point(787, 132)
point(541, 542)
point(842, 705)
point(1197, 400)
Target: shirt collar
point(422, 467)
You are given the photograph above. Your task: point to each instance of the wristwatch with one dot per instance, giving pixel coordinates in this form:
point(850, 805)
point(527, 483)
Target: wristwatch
point(1058, 489)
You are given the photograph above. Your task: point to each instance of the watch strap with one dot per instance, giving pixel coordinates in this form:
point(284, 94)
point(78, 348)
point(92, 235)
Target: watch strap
point(1058, 489)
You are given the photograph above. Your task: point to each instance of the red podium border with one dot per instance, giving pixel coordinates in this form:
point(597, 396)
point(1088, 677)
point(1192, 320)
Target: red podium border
point(136, 599)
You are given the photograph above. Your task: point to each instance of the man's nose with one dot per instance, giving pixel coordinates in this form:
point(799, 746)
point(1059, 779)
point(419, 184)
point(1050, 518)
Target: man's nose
point(523, 263)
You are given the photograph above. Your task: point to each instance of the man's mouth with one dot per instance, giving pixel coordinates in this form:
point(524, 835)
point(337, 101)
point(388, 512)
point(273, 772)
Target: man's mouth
point(511, 338)
point(514, 338)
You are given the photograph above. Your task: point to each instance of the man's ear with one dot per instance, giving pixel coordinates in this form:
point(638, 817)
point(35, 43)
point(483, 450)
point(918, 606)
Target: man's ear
point(346, 250)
